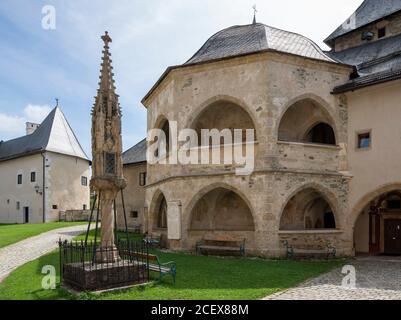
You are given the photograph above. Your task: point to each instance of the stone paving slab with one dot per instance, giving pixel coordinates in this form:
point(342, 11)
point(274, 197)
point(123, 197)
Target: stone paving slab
point(376, 279)
point(18, 254)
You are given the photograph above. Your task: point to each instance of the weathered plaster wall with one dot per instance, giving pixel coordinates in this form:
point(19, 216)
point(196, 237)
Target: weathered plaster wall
point(25, 194)
point(63, 184)
point(378, 169)
point(134, 198)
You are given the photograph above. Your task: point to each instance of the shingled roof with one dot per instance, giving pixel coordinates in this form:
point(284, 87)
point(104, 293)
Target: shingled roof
point(381, 52)
point(54, 134)
point(249, 39)
point(136, 154)
point(240, 40)
point(369, 11)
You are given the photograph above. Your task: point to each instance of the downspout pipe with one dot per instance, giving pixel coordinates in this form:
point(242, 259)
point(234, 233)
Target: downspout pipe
point(44, 186)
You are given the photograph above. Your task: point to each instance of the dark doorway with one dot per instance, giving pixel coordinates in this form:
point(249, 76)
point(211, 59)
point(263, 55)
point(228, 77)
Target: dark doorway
point(26, 215)
point(329, 220)
point(322, 133)
point(392, 238)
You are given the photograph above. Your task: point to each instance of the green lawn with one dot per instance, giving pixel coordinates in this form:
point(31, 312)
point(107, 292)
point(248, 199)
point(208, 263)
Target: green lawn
point(197, 278)
point(13, 233)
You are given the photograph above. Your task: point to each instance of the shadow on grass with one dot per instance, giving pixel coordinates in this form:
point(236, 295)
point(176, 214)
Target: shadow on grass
point(198, 277)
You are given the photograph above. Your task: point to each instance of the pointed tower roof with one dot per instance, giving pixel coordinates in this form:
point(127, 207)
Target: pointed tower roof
point(106, 73)
point(54, 134)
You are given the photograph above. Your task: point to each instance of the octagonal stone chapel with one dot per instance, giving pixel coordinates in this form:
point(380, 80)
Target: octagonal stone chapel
point(326, 169)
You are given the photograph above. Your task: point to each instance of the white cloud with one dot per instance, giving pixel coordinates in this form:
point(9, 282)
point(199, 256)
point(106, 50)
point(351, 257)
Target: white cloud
point(35, 113)
point(14, 125)
point(11, 125)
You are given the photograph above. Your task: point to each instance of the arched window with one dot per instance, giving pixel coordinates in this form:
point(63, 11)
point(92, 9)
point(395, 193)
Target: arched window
point(223, 115)
point(295, 125)
point(329, 220)
point(162, 214)
point(163, 147)
point(321, 133)
point(307, 210)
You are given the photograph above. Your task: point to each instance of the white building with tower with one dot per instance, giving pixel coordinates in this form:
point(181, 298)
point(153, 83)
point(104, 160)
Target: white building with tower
point(42, 173)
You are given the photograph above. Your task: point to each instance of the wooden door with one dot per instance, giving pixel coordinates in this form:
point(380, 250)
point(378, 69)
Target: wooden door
point(392, 237)
point(374, 234)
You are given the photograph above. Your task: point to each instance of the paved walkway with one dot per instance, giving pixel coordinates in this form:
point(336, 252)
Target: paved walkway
point(16, 255)
point(377, 278)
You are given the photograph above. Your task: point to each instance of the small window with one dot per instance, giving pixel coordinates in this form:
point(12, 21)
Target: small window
point(18, 205)
point(364, 140)
point(110, 163)
point(19, 179)
point(134, 214)
point(381, 33)
point(55, 207)
point(142, 179)
point(84, 207)
point(33, 176)
point(84, 181)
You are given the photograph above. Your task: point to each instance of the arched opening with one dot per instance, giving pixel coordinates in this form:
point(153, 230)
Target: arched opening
point(307, 210)
point(321, 133)
point(223, 115)
point(163, 146)
point(160, 220)
point(221, 210)
point(378, 227)
point(307, 121)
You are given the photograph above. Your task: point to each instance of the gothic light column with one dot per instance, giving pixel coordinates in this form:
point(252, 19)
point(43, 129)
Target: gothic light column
point(107, 166)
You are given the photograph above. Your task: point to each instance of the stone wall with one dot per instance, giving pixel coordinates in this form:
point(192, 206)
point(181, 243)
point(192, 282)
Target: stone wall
point(76, 215)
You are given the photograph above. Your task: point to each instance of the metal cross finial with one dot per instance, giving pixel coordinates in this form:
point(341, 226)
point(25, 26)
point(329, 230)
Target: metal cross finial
point(106, 38)
point(254, 13)
point(57, 102)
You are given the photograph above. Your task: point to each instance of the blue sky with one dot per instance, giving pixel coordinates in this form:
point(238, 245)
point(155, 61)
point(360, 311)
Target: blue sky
point(37, 65)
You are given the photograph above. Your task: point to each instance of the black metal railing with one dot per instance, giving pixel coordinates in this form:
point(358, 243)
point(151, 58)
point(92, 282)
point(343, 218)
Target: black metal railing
point(92, 266)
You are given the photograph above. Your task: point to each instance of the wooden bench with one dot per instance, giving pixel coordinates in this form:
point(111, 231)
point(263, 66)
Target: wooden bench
point(330, 251)
point(153, 240)
point(222, 244)
point(155, 265)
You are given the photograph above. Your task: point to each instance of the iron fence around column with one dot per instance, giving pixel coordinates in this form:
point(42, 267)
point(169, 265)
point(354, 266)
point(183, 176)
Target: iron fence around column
point(93, 267)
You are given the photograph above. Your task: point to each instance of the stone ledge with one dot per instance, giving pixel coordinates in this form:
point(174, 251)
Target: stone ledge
point(289, 232)
point(310, 145)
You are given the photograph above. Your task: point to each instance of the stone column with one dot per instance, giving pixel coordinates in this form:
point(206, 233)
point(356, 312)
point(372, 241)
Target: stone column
point(107, 214)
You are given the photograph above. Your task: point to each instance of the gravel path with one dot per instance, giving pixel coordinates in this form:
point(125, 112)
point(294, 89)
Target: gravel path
point(16, 255)
point(377, 278)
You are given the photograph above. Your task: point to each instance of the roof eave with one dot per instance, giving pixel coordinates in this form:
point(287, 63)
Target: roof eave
point(135, 163)
point(21, 155)
point(349, 88)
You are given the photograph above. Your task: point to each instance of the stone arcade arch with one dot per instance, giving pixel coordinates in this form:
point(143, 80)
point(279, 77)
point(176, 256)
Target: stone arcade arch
point(307, 121)
point(220, 209)
point(377, 225)
point(223, 114)
point(158, 212)
point(163, 124)
point(308, 209)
